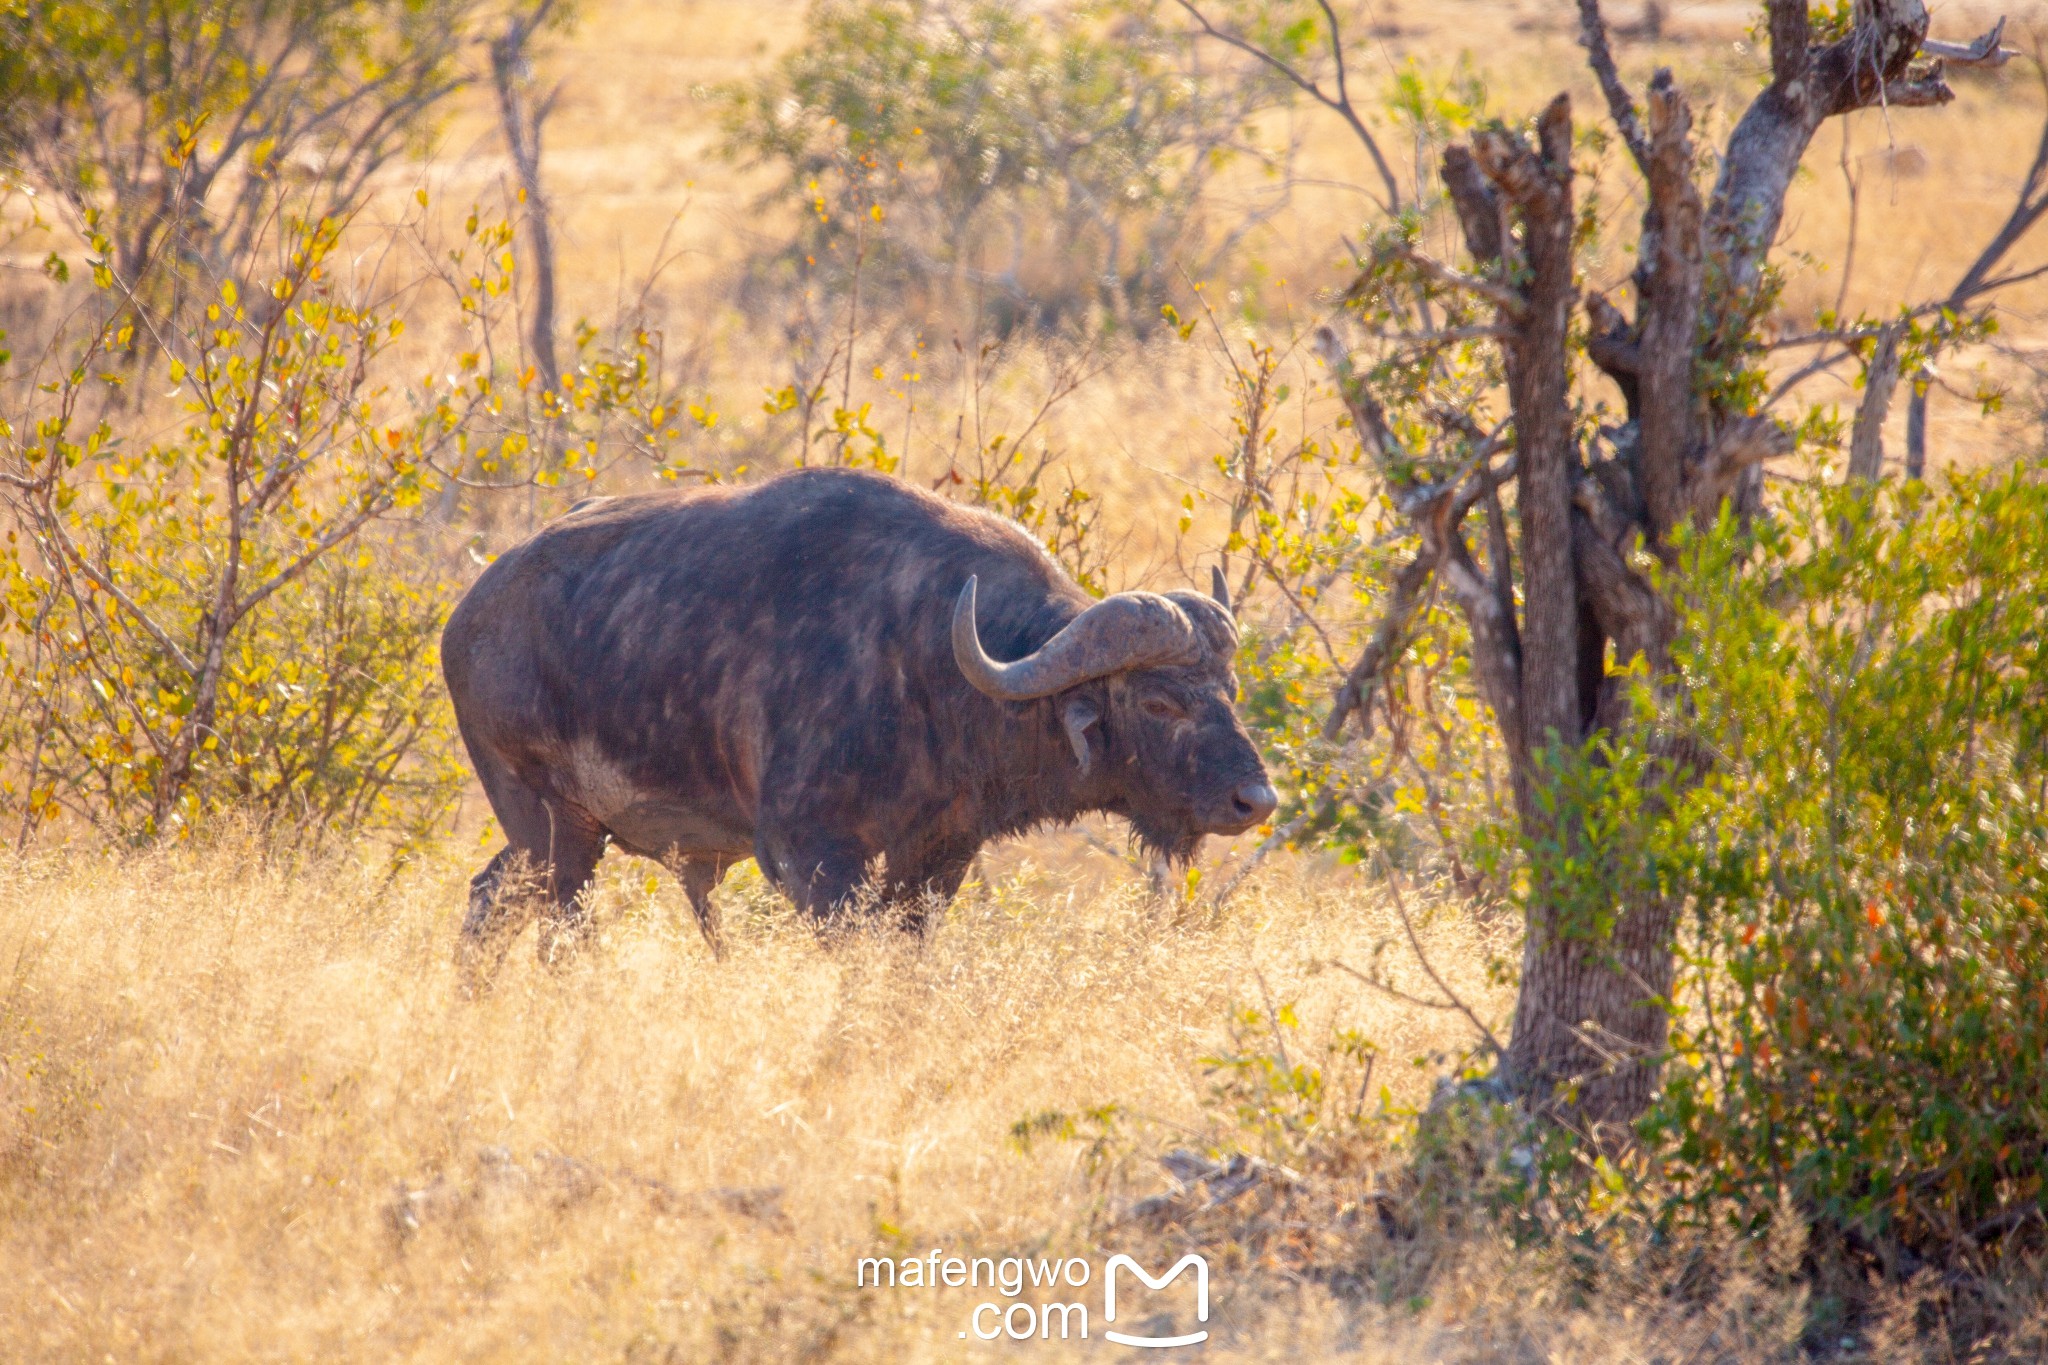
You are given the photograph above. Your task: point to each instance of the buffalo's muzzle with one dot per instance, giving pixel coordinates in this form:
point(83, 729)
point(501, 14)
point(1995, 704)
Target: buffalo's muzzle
point(1251, 804)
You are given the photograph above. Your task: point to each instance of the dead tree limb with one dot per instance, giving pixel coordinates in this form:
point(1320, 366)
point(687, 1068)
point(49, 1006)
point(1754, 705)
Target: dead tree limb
point(1337, 101)
point(1536, 182)
point(2029, 205)
point(1671, 284)
point(1880, 377)
point(1985, 51)
point(1620, 107)
point(520, 118)
point(1355, 693)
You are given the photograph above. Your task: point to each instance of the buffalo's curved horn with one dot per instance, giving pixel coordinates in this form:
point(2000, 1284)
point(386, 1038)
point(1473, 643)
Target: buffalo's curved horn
point(1129, 630)
point(1219, 588)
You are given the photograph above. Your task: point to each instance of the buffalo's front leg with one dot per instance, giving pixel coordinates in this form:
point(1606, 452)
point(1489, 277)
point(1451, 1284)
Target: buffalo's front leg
point(827, 876)
point(927, 885)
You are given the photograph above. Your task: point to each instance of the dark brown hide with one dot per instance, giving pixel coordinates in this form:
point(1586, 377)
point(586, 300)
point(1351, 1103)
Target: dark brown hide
point(769, 672)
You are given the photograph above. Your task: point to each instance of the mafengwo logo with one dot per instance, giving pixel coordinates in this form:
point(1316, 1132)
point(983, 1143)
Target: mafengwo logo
point(1023, 1319)
point(1188, 1262)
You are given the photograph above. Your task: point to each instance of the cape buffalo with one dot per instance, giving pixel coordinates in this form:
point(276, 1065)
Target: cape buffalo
point(800, 671)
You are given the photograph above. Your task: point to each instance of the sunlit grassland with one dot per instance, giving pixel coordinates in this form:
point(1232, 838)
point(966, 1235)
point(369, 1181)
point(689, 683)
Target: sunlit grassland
point(246, 1113)
point(249, 1114)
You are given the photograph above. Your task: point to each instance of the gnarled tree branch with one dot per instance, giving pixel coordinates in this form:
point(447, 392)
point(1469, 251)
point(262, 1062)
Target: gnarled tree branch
point(1870, 65)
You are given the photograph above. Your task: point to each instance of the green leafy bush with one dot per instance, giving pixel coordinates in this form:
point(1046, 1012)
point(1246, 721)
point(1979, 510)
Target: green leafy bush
point(1865, 1024)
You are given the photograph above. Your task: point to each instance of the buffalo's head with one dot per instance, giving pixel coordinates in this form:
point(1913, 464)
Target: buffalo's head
point(1143, 685)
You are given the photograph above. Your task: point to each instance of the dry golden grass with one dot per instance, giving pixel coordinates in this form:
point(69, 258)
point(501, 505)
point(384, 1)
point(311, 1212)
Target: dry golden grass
point(247, 1115)
point(221, 1076)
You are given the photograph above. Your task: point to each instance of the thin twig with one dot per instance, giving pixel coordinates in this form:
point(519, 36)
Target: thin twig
point(1339, 104)
point(1394, 991)
point(1286, 834)
point(1415, 943)
point(1273, 1020)
point(1621, 106)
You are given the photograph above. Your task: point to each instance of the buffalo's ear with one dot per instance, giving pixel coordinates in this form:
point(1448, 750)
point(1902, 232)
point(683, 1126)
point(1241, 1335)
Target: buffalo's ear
point(1077, 715)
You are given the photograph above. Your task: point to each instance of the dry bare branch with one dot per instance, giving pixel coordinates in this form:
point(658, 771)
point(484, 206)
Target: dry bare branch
point(1338, 101)
point(1622, 109)
point(1672, 281)
point(1497, 294)
point(1985, 51)
point(1382, 648)
point(1421, 957)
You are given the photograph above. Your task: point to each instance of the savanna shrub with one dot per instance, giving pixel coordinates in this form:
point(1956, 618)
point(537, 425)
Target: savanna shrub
point(1314, 552)
point(331, 719)
point(1865, 1022)
point(195, 618)
point(1049, 163)
point(618, 412)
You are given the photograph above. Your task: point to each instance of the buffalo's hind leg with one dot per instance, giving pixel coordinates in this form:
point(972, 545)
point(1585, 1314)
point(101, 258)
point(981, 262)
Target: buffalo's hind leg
point(501, 901)
point(565, 914)
point(546, 862)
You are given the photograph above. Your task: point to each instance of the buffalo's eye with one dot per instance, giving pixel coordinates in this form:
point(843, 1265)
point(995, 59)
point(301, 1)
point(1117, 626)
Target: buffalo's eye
point(1163, 709)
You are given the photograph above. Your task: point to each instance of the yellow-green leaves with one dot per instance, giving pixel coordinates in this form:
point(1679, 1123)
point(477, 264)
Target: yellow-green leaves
point(203, 634)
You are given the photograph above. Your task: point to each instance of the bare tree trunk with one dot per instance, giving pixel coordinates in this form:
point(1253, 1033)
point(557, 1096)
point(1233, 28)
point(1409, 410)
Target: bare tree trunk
point(521, 121)
point(1597, 971)
point(1538, 183)
point(1590, 1021)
